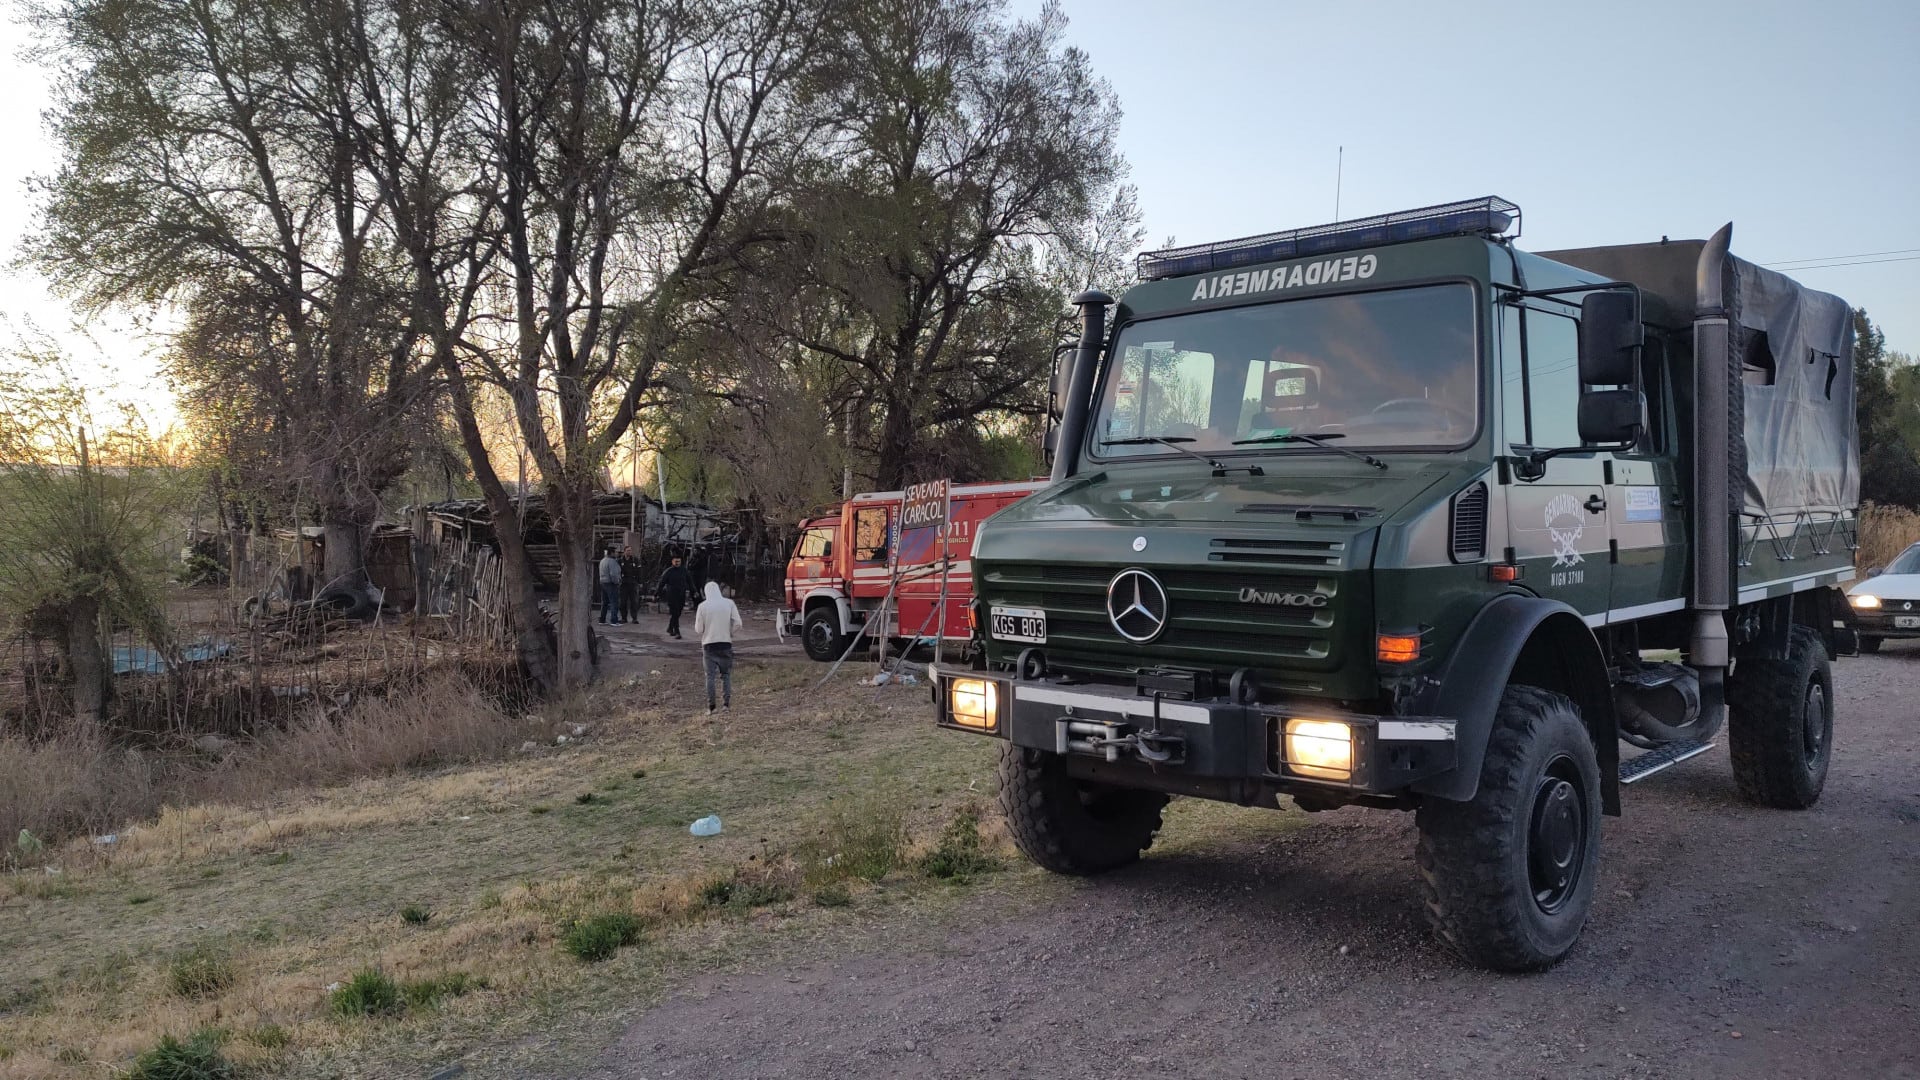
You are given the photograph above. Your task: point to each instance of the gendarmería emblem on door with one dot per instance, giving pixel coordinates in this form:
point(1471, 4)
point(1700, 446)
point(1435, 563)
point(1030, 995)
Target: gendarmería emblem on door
point(1564, 525)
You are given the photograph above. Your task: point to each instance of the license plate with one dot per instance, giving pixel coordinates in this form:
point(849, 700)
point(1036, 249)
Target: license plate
point(1906, 622)
point(1027, 625)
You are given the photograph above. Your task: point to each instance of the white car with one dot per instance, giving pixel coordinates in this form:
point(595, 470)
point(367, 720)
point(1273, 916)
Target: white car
point(1887, 602)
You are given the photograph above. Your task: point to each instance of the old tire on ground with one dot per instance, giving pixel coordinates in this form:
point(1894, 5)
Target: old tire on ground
point(820, 635)
point(1509, 876)
point(1869, 644)
point(1070, 826)
point(1780, 724)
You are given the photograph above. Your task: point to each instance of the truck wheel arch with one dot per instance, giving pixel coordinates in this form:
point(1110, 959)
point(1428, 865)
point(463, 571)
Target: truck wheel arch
point(829, 598)
point(1534, 642)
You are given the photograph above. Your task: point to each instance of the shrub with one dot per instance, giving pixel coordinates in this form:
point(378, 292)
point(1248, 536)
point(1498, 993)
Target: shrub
point(270, 1037)
point(371, 992)
point(598, 937)
point(865, 839)
point(959, 856)
point(415, 915)
point(200, 972)
point(197, 1058)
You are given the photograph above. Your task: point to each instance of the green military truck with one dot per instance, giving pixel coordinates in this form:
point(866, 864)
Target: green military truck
point(1393, 513)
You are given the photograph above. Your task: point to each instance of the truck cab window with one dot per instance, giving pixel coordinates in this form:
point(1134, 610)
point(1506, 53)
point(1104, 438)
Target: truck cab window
point(870, 534)
point(1551, 362)
point(815, 544)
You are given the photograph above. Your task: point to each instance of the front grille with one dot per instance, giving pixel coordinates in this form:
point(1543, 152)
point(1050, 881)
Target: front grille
point(1209, 625)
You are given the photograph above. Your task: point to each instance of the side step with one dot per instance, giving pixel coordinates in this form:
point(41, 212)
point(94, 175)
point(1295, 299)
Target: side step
point(1664, 757)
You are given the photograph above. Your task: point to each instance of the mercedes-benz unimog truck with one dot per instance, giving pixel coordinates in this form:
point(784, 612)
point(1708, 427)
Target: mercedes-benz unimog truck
point(1393, 513)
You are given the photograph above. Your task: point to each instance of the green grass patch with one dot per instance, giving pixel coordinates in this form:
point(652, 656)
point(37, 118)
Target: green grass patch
point(427, 993)
point(537, 810)
point(586, 798)
point(141, 898)
point(197, 1057)
point(415, 915)
point(861, 838)
point(269, 1037)
point(201, 972)
point(833, 895)
point(960, 856)
point(598, 937)
point(371, 992)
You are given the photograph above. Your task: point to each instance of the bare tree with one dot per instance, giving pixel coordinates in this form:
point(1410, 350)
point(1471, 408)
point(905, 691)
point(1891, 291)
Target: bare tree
point(206, 163)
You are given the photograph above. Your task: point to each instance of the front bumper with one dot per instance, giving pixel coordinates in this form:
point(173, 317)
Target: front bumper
point(1883, 622)
point(1205, 740)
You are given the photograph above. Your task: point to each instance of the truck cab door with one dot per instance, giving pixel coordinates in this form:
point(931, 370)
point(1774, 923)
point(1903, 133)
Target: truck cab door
point(1559, 524)
point(1645, 507)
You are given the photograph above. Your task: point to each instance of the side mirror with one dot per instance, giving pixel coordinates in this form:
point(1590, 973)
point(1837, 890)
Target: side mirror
point(1057, 387)
point(1611, 417)
point(1610, 335)
point(1875, 571)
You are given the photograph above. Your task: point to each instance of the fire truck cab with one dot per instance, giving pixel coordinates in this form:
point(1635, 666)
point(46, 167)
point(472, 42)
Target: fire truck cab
point(844, 564)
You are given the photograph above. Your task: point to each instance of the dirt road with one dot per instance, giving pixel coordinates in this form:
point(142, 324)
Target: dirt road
point(1728, 941)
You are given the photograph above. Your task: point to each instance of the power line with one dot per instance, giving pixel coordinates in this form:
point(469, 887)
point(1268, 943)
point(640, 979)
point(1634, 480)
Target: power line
point(1837, 265)
point(1833, 258)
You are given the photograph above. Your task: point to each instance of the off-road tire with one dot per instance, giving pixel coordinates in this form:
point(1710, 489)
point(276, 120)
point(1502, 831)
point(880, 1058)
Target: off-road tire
point(1870, 644)
point(1473, 856)
point(1780, 724)
point(820, 635)
point(1070, 826)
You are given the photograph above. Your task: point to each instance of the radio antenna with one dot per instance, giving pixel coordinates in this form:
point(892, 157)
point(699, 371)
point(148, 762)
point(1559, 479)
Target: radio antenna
point(1339, 165)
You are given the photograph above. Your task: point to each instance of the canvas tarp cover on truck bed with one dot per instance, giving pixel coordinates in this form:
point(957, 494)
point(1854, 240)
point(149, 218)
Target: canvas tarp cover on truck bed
point(1792, 347)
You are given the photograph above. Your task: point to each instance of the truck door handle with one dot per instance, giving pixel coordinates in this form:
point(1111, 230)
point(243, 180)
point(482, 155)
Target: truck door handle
point(1595, 504)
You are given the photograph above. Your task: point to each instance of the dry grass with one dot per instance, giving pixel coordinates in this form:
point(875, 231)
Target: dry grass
point(296, 891)
point(76, 785)
point(1885, 531)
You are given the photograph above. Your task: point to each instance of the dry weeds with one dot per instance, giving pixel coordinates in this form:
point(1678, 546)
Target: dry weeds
point(1885, 531)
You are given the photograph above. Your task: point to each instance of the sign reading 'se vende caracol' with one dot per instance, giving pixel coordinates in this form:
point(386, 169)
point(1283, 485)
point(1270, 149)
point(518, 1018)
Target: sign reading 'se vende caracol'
point(924, 507)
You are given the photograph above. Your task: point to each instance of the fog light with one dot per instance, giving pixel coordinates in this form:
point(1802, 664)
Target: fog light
point(1322, 749)
point(973, 703)
point(1866, 601)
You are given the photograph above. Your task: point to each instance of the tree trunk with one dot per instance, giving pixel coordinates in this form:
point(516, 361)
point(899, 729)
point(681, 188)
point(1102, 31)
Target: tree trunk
point(87, 660)
point(343, 551)
point(896, 445)
point(579, 582)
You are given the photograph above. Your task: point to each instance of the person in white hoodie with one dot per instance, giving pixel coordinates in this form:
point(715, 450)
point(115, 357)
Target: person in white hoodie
point(714, 623)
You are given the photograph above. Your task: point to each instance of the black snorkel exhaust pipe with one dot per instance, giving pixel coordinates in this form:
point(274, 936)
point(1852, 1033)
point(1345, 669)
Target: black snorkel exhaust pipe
point(1713, 488)
point(1086, 358)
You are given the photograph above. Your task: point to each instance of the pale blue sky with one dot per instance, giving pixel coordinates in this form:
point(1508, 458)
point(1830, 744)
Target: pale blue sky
point(1608, 123)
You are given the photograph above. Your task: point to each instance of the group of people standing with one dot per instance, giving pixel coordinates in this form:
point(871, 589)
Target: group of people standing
point(713, 622)
point(620, 587)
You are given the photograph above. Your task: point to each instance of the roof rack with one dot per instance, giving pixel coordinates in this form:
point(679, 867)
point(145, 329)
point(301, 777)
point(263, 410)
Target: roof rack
point(1489, 216)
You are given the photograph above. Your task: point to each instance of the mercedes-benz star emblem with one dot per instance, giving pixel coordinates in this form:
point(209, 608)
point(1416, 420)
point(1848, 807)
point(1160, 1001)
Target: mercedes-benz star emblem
point(1137, 605)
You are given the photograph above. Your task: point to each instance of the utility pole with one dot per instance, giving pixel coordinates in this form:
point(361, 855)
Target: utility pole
point(1339, 167)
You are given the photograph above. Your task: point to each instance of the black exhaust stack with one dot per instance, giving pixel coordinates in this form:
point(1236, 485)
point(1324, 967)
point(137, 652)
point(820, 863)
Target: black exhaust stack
point(1713, 486)
point(1073, 419)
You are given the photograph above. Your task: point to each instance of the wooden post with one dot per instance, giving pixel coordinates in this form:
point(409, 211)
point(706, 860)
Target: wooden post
point(422, 569)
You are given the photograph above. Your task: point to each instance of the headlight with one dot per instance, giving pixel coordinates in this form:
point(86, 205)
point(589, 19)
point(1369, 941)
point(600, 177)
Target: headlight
point(1864, 601)
point(973, 703)
point(1320, 748)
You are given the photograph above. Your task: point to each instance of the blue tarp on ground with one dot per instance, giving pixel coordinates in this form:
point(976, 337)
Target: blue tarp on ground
point(141, 660)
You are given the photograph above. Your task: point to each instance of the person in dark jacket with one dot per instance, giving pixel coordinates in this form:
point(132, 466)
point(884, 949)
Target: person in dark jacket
point(630, 585)
point(675, 586)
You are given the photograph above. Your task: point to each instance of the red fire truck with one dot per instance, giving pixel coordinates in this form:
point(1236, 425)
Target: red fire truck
point(844, 565)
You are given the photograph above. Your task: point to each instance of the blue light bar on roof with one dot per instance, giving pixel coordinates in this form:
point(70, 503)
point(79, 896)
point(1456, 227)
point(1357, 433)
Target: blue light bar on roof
point(1490, 216)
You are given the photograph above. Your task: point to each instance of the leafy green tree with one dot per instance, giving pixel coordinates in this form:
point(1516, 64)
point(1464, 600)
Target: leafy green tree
point(1889, 466)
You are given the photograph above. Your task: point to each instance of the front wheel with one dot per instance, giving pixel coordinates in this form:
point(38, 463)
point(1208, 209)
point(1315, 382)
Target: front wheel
point(820, 635)
point(1071, 826)
point(1509, 875)
point(1780, 724)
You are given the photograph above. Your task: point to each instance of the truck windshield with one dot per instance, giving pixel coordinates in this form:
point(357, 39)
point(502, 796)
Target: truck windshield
point(1379, 369)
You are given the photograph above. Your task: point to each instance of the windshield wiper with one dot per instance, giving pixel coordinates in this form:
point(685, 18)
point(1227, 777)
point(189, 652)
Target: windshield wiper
point(1172, 442)
point(1319, 440)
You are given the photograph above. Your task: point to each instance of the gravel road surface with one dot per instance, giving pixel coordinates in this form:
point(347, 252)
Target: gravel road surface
point(1727, 941)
